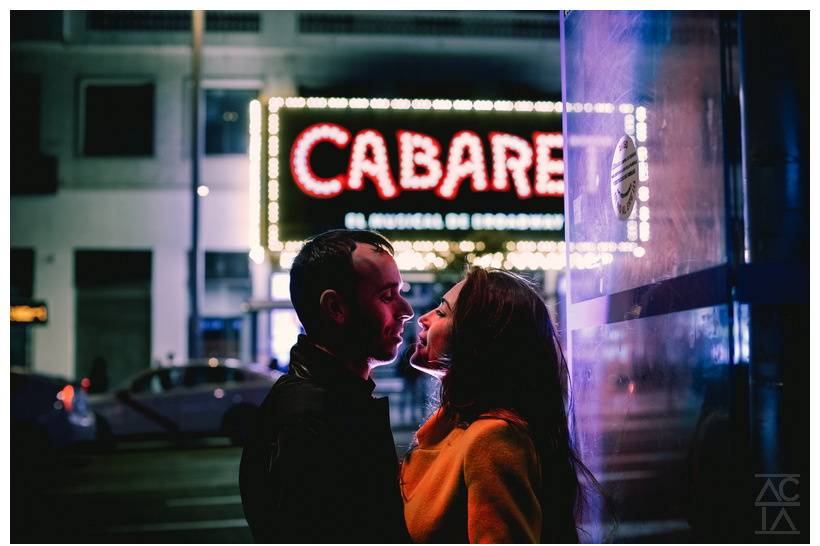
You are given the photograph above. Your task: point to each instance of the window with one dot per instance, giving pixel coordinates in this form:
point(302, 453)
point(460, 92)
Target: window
point(221, 335)
point(95, 268)
point(31, 171)
point(36, 25)
point(226, 265)
point(21, 273)
point(227, 287)
point(226, 120)
point(154, 382)
point(25, 115)
point(118, 119)
point(206, 375)
point(169, 21)
point(235, 375)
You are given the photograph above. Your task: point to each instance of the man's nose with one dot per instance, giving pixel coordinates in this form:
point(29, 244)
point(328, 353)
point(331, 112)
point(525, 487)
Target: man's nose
point(406, 310)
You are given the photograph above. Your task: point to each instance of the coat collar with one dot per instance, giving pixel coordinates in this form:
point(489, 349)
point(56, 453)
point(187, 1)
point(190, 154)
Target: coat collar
point(434, 430)
point(439, 426)
point(310, 361)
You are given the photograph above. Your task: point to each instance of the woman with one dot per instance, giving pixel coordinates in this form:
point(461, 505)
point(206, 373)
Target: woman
point(494, 463)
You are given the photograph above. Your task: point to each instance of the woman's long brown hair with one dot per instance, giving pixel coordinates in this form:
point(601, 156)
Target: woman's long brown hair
point(504, 355)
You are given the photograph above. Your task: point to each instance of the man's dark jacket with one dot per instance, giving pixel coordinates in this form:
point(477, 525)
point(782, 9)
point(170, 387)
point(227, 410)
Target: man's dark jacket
point(321, 465)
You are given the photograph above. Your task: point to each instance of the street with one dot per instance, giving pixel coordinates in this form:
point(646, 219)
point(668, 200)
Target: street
point(141, 493)
point(146, 492)
point(161, 492)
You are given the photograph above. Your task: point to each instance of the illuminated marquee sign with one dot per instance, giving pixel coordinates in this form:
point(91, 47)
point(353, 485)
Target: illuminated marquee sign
point(417, 172)
point(440, 177)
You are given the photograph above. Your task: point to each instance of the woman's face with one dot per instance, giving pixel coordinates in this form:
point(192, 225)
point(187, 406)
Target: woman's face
point(434, 336)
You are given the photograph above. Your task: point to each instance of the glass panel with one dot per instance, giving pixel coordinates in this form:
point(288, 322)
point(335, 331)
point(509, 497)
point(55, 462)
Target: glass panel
point(655, 77)
point(651, 421)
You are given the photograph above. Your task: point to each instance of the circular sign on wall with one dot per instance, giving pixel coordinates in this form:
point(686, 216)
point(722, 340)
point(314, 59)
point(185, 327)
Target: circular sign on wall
point(623, 177)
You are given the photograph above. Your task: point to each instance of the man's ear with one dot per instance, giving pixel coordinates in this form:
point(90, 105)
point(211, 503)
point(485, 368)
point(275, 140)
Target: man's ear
point(333, 306)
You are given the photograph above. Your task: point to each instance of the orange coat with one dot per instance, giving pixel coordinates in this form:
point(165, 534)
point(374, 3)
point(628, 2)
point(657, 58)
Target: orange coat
point(473, 483)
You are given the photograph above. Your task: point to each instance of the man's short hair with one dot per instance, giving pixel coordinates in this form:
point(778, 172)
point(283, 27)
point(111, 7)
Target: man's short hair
point(326, 263)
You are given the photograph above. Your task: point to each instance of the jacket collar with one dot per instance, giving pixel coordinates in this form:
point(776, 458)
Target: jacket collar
point(309, 361)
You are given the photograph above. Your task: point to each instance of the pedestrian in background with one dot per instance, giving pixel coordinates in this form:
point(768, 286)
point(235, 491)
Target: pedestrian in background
point(321, 465)
point(495, 463)
point(98, 375)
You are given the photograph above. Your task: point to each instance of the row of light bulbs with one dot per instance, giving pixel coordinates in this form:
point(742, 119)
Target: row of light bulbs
point(415, 260)
point(360, 103)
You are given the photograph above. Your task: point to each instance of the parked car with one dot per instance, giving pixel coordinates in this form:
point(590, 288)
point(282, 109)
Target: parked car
point(48, 413)
point(201, 398)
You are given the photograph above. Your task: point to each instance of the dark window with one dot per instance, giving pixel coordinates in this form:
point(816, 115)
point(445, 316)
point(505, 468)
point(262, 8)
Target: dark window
point(226, 120)
point(119, 120)
point(529, 25)
point(95, 268)
point(231, 21)
point(31, 171)
point(226, 265)
point(36, 25)
point(22, 273)
point(157, 21)
point(170, 21)
point(25, 115)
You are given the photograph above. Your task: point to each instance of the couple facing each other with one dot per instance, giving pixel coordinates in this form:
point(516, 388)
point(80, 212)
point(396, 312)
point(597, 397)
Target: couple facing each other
point(494, 463)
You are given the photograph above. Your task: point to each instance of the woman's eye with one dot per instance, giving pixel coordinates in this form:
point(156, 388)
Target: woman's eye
point(440, 313)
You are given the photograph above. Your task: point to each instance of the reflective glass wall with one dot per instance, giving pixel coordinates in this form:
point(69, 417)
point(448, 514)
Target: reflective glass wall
point(661, 330)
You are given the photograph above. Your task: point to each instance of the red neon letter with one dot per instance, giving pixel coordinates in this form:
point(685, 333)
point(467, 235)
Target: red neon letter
point(549, 171)
point(459, 167)
point(416, 149)
point(504, 164)
point(303, 175)
point(376, 169)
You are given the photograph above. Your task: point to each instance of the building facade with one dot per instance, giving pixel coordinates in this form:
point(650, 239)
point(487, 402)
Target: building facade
point(101, 161)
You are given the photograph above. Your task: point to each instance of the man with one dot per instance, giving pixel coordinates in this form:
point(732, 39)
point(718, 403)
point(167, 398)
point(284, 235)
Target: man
point(321, 465)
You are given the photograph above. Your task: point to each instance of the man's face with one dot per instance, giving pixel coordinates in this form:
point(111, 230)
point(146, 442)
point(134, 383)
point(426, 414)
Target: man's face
point(378, 315)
